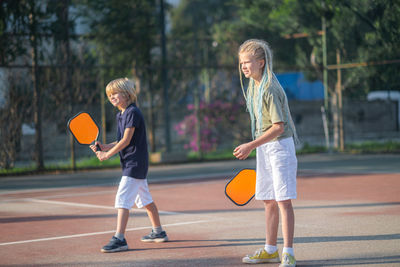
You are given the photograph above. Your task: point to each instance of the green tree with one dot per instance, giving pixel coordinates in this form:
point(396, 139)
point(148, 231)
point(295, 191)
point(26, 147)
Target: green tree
point(357, 30)
point(39, 34)
point(193, 55)
point(363, 31)
point(23, 25)
point(192, 28)
point(123, 35)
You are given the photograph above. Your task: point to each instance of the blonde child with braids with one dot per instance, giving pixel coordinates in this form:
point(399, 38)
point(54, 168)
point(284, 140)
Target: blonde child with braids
point(273, 134)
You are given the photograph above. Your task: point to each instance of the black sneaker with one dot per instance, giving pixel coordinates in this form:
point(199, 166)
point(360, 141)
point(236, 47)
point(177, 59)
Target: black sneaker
point(157, 238)
point(115, 245)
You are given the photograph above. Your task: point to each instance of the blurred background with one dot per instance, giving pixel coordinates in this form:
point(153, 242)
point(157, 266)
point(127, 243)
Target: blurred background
point(338, 62)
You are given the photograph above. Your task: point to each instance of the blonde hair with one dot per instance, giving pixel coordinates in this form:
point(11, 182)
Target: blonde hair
point(260, 50)
point(123, 86)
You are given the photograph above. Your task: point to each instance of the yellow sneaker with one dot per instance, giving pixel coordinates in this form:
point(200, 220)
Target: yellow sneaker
point(261, 256)
point(288, 260)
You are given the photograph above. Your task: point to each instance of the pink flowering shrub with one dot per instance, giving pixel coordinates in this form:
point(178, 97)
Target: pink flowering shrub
point(216, 122)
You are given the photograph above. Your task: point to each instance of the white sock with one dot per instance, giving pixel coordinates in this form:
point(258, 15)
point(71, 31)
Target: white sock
point(120, 236)
point(288, 250)
point(270, 249)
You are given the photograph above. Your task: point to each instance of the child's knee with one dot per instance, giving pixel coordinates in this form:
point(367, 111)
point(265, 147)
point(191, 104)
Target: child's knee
point(270, 203)
point(150, 206)
point(285, 204)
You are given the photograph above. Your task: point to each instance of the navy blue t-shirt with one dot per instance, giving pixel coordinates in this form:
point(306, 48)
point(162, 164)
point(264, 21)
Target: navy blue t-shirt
point(134, 157)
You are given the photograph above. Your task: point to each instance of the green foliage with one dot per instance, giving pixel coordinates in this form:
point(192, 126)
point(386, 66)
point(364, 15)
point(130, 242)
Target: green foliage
point(362, 30)
point(13, 20)
point(82, 164)
point(122, 39)
point(93, 162)
point(192, 27)
point(373, 147)
point(216, 155)
point(308, 149)
point(122, 31)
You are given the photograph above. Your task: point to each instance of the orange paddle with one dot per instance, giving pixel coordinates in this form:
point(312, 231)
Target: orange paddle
point(84, 129)
point(241, 188)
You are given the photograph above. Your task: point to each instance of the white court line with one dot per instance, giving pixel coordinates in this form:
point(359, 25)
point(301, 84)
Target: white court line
point(89, 205)
point(69, 203)
point(60, 196)
point(80, 194)
point(21, 191)
point(92, 234)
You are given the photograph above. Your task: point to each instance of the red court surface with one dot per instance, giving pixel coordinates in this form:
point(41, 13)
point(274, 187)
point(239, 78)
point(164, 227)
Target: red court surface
point(346, 220)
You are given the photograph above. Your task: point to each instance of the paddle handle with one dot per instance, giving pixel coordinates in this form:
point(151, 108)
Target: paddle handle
point(97, 146)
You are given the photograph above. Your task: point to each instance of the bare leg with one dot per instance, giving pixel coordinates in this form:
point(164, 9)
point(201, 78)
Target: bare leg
point(118, 242)
point(122, 220)
point(272, 222)
point(286, 210)
point(154, 217)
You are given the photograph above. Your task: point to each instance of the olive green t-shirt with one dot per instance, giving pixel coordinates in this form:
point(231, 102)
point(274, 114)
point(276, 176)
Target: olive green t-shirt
point(275, 109)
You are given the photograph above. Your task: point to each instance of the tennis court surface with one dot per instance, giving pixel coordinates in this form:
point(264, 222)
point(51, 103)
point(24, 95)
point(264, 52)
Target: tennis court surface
point(347, 214)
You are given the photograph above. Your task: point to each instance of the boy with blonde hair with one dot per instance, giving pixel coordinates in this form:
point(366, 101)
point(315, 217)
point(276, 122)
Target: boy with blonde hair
point(131, 145)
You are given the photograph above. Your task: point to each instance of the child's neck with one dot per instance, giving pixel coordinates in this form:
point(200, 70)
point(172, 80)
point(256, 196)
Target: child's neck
point(123, 107)
point(257, 80)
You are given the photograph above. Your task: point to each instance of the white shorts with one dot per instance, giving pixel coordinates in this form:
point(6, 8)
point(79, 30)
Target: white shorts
point(132, 191)
point(276, 171)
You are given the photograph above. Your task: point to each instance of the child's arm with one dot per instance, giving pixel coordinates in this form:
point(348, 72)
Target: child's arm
point(117, 146)
point(243, 151)
point(103, 147)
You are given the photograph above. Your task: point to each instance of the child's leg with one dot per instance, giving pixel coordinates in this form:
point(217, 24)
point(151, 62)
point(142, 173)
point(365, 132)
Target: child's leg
point(272, 222)
point(269, 253)
point(157, 234)
point(284, 165)
point(154, 217)
point(265, 192)
point(124, 200)
point(144, 199)
point(118, 242)
point(122, 221)
point(287, 214)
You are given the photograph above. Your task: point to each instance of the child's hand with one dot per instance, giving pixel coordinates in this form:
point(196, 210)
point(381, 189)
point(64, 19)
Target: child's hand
point(102, 155)
point(94, 147)
point(243, 151)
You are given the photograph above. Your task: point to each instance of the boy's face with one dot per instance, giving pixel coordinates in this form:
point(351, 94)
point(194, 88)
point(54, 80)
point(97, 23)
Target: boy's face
point(250, 66)
point(118, 100)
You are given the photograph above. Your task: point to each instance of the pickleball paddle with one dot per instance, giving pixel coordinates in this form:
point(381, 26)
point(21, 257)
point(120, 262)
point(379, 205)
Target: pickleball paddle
point(84, 129)
point(241, 188)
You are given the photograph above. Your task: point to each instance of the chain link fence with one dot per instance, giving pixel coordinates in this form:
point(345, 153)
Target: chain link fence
point(206, 108)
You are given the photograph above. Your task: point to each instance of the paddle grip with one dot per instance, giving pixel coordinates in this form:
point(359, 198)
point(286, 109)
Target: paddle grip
point(98, 147)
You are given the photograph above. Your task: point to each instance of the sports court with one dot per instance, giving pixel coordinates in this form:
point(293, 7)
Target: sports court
point(348, 215)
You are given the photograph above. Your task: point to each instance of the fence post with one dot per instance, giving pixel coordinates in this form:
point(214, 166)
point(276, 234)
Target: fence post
point(325, 81)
